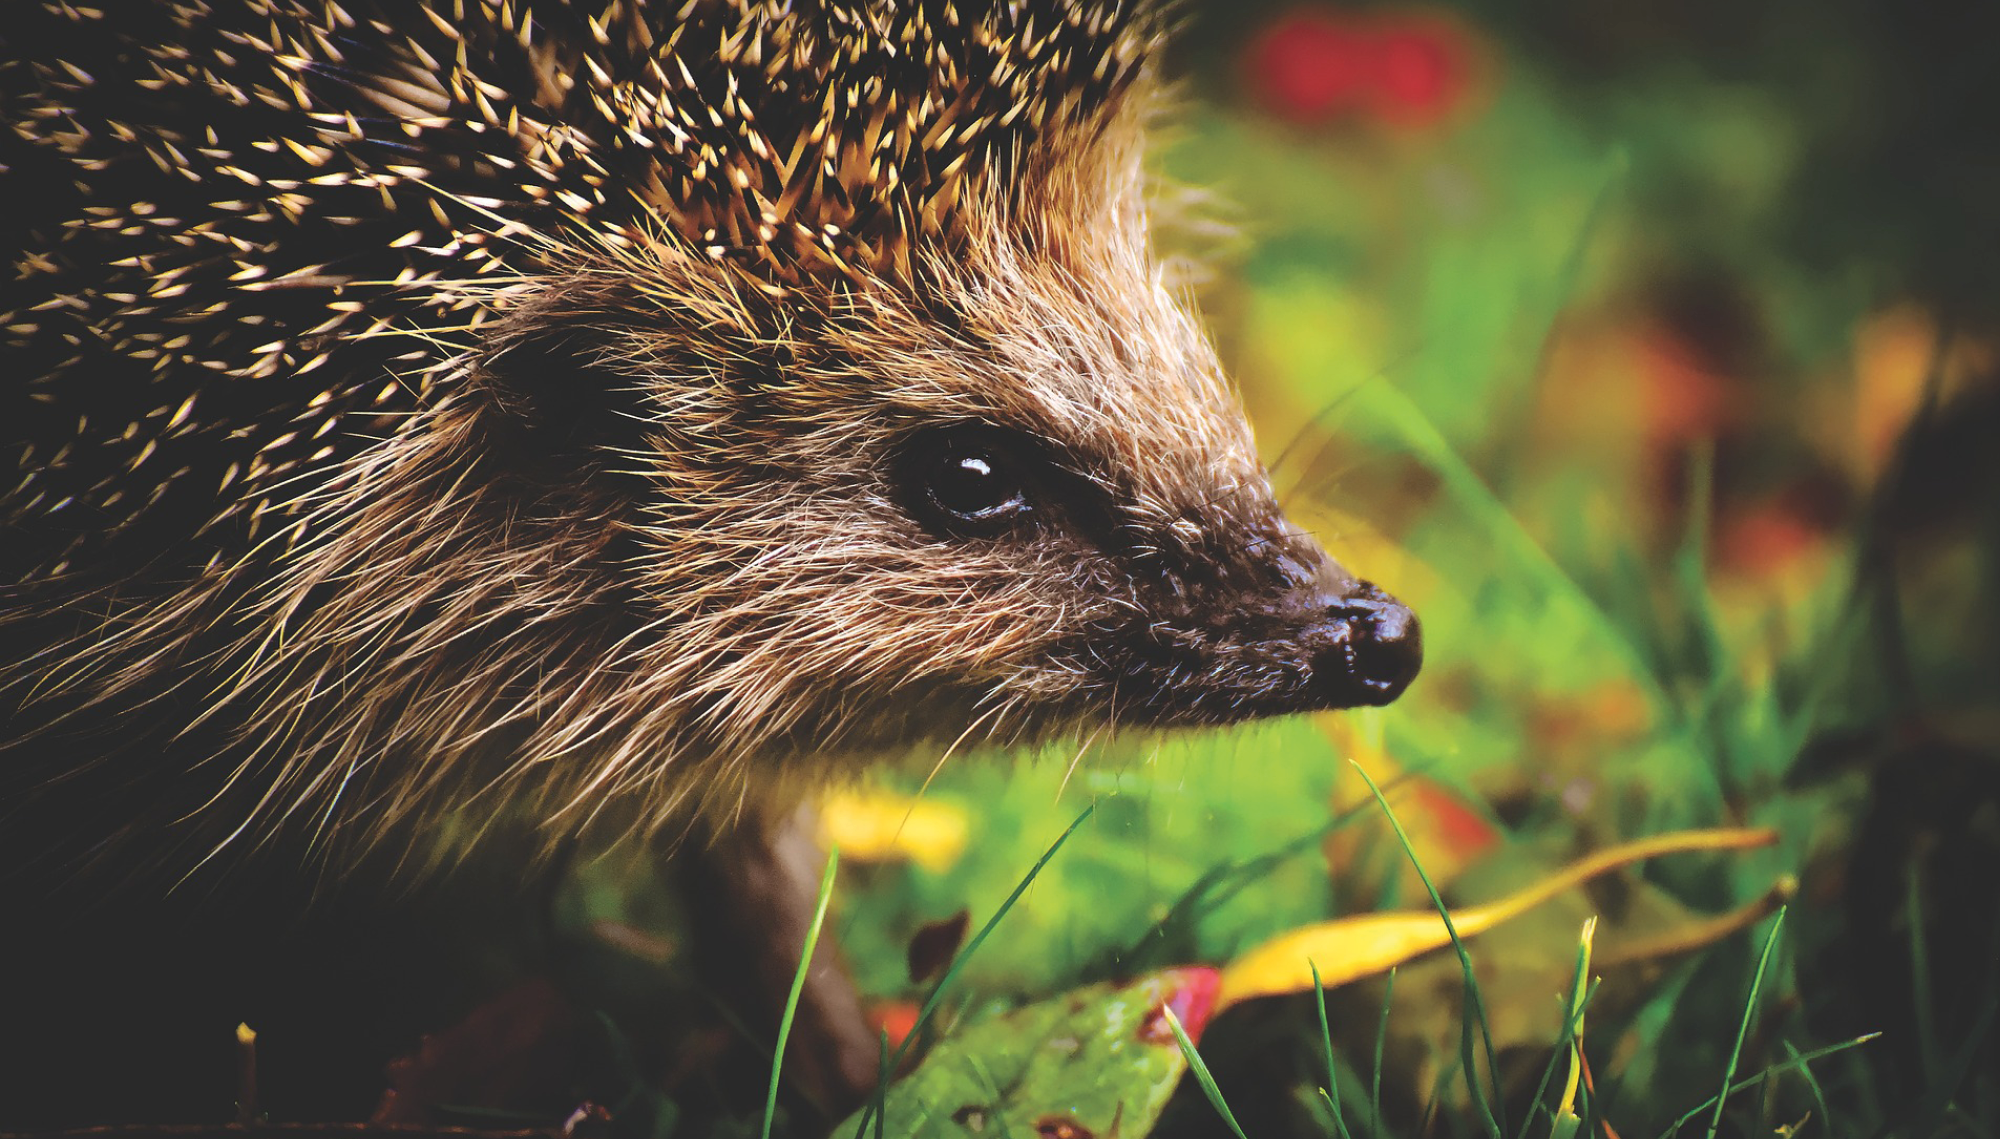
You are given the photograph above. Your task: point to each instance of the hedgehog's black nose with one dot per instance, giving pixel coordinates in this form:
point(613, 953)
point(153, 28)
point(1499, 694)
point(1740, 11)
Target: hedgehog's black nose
point(1375, 651)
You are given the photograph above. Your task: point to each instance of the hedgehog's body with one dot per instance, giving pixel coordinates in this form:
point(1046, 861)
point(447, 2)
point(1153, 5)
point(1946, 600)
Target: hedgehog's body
point(461, 410)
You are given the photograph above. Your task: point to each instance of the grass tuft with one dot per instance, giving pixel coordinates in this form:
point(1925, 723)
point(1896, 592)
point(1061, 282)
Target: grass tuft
point(1798, 1062)
point(1381, 1038)
point(1581, 989)
point(1491, 1114)
point(1743, 1026)
point(1332, 1089)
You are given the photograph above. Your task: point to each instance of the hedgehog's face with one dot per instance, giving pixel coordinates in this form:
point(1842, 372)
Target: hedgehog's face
point(1075, 444)
point(1037, 511)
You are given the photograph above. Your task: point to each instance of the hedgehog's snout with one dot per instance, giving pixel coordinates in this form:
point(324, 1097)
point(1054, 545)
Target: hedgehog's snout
point(1288, 631)
point(1370, 646)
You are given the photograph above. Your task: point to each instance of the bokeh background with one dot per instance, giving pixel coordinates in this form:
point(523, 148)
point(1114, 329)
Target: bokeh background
point(1649, 349)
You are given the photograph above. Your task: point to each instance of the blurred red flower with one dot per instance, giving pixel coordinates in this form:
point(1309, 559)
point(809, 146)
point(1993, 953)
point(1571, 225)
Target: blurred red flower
point(1422, 70)
point(1315, 64)
point(1309, 65)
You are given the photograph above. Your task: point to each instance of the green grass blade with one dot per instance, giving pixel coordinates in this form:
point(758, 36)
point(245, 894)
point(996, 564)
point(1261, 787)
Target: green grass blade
point(1818, 1093)
point(883, 1075)
point(1743, 1026)
point(799, 986)
point(1570, 1027)
point(1586, 1111)
point(1798, 1061)
point(1494, 1121)
point(1339, 1124)
point(1381, 1038)
point(1201, 1072)
point(1573, 1003)
point(1332, 1089)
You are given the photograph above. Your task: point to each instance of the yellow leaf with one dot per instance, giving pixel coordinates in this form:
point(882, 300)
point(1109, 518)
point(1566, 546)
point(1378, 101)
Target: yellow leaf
point(1349, 949)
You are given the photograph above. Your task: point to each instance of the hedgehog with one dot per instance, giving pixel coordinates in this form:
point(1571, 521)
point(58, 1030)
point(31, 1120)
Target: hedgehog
point(446, 419)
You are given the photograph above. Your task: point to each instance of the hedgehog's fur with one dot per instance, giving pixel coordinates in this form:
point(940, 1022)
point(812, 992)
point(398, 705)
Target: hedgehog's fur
point(424, 406)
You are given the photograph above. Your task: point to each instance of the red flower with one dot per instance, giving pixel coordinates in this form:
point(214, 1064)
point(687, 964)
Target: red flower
point(1313, 65)
point(1309, 66)
point(1422, 71)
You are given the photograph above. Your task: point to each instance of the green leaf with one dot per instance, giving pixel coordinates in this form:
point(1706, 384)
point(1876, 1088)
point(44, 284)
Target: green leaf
point(1097, 1061)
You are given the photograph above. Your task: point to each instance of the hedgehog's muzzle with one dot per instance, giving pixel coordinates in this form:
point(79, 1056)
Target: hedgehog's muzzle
point(1366, 648)
point(1296, 641)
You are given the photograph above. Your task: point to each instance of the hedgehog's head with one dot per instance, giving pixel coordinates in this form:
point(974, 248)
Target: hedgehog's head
point(831, 400)
point(917, 440)
point(810, 389)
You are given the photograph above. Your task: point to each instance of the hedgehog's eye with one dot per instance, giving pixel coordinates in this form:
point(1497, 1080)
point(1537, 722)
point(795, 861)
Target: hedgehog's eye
point(966, 480)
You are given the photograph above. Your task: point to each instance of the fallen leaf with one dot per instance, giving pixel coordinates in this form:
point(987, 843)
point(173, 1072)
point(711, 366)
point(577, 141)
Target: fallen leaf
point(1094, 1063)
point(1349, 949)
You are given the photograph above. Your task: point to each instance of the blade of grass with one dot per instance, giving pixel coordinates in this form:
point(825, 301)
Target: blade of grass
point(1332, 1089)
point(799, 986)
point(1543, 308)
point(1201, 1072)
point(1873, 589)
point(1579, 992)
point(1339, 1124)
point(1210, 892)
point(1381, 1038)
point(883, 1075)
point(1743, 1026)
point(1818, 1093)
point(1565, 1120)
point(1494, 1121)
point(1799, 1061)
point(1589, 1120)
point(930, 1006)
point(1570, 1027)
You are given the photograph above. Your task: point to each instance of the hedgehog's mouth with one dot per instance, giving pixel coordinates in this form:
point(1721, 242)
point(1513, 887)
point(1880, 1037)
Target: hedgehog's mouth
point(1360, 648)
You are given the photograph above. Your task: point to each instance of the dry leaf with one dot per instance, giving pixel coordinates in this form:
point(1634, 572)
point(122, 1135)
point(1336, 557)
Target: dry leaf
point(1349, 949)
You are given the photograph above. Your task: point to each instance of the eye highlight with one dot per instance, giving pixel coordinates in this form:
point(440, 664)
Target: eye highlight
point(967, 479)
